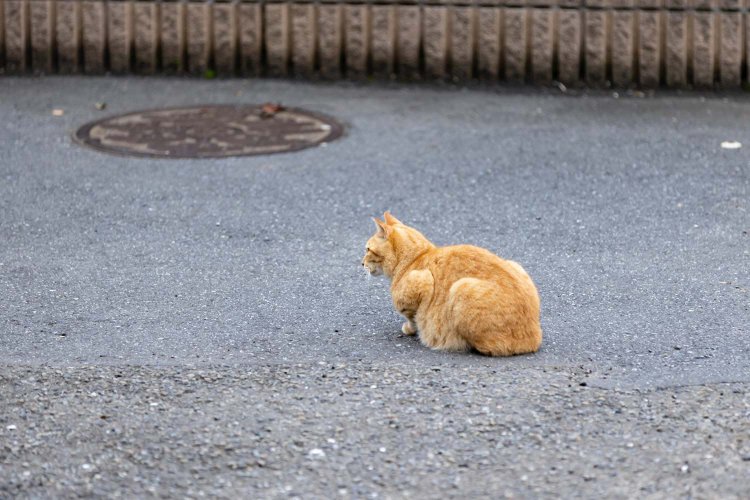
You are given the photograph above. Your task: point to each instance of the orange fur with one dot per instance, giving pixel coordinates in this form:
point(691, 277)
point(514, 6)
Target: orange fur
point(456, 297)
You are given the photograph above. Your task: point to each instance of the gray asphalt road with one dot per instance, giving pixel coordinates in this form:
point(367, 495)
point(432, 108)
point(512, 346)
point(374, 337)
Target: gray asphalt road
point(366, 430)
point(628, 214)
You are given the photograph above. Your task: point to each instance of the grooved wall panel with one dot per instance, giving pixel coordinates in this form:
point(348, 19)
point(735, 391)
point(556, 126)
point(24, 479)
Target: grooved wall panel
point(303, 39)
point(94, 35)
point(730, 65)
point(357, 39)
point(463, 42)
point(277, 34)
point(542, 33)
point(16, 32)
point(649, 48)
point(569, 46)
point(383, 40)
point(623, 43)
point(197, 28)
point(409, 32)
point(677, 49)
point(330, 39)
point(515, 49)
point(623, 48)
point(251, 38)
point(2, 36)
point(120, 36)
point(172, 36)
point(435, 44)
point(42, 17)
point(703, 48)
point(489, 42)
point(145, 16)
point(595, 37)
point(68, 36)
point(224, 30)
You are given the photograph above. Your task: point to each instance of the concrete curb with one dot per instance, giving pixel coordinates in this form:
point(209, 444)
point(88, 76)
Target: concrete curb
point(647, 43)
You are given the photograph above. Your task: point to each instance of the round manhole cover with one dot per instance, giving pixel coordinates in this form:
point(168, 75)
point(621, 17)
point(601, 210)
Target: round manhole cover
point(210, 131)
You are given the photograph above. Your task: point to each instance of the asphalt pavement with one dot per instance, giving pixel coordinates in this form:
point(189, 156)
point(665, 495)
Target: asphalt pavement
point(204, 327)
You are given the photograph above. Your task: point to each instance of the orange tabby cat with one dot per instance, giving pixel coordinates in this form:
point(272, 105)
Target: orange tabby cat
point(456, 297)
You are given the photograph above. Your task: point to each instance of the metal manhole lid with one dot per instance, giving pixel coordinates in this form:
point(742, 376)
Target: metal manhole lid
point(209, 131)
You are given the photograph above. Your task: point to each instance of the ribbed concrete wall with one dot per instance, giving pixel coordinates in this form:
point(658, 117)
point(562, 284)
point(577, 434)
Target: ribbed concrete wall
point(676, 43)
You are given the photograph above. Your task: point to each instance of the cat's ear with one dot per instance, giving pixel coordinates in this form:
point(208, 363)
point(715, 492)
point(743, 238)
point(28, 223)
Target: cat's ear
point(389, 219)
point(382, 228)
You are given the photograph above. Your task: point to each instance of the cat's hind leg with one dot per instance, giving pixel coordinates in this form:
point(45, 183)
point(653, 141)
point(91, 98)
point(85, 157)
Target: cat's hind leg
point(489, 323)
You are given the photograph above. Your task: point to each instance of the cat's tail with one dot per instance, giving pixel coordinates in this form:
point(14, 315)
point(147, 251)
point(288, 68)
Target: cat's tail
point(492, 322)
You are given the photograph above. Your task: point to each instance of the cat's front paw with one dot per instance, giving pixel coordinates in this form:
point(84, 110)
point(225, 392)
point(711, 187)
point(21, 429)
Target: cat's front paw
point(409, 328)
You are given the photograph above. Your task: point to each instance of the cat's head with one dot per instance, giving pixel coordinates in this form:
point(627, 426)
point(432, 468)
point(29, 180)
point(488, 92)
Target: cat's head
point(392, 242)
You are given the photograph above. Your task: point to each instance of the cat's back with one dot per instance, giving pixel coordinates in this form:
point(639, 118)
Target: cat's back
point(467, 261)
point(451, 263)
